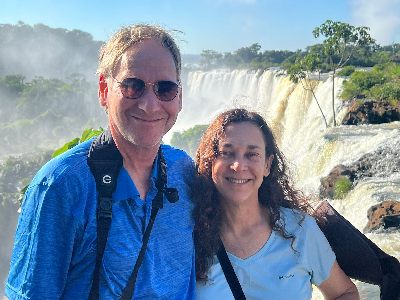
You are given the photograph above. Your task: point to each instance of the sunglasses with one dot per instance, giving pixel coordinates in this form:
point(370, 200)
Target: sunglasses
point(133, 88)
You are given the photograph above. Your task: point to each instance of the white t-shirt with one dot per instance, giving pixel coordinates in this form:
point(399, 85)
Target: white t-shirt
point(276, 271)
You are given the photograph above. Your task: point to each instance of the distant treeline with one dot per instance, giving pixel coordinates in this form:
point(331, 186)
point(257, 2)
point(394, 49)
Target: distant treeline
point(252, 57)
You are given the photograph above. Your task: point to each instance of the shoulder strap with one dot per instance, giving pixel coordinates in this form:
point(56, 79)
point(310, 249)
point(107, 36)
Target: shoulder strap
point(230, 274)
point(105, 162)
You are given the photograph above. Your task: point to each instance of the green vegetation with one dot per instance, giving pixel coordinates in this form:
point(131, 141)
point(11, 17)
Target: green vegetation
point(246, 57)
point(342, 186)
point(341, 41)
point(300, 71)
point(41, 111)
point(189, 139)
point(252, 57)
point(346, 71)
point(87, 134)
point(382, 82)
point(16, 172)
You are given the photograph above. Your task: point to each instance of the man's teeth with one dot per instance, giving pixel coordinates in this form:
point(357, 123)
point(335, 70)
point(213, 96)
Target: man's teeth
point(233, 180)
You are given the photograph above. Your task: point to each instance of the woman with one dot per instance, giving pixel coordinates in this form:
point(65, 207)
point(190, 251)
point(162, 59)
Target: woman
point(246, 201)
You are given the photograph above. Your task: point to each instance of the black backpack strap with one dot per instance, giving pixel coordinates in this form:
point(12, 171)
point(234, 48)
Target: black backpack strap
point(105, 162)
point(157, 203)
point(230, 274)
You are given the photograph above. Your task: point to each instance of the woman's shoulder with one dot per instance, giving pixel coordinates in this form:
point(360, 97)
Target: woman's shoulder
point(295, 220)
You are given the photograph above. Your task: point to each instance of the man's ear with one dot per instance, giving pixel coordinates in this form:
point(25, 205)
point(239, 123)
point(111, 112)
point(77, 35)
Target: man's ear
point(103, 90)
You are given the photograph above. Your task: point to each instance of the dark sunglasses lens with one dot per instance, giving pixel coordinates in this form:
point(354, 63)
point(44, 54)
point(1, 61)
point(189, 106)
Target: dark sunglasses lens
point(166, 90)
point(132, 87)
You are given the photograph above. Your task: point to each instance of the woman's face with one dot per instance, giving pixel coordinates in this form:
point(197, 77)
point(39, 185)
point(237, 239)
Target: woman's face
point(241, 165)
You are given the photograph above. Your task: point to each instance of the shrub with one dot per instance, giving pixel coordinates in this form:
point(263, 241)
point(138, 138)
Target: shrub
point(346, 71)
point(189, 139)
point(342, 186)
point(360, 82)
point(387, 91)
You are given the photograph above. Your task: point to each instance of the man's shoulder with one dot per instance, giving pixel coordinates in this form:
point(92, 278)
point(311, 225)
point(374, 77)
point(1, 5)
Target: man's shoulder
point(176, 157)
point(170, 151)
point(73, 160)
point(180, 165)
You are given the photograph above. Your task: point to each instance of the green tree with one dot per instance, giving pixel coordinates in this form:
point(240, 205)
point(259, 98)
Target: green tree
point(341, 41)
point(301, 71)
point(210, 59)
point(14, 84)
point(247, 54)
point(189, 139)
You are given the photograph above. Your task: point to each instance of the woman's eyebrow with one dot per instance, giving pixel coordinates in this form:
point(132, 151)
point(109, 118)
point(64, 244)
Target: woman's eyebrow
point(253, 147)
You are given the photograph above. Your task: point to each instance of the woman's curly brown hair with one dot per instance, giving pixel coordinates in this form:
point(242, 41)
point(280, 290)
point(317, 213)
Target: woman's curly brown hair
point(275, 191)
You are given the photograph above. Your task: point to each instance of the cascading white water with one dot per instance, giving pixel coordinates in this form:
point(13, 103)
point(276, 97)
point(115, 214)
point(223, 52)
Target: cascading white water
point(312, 149)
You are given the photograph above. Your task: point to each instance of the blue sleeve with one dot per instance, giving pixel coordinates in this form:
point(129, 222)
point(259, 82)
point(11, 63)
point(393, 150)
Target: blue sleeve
point(43, 245)
point(318, 254)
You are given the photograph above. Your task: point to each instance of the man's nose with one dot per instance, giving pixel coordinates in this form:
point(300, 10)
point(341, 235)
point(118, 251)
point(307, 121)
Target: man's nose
point(149, 102)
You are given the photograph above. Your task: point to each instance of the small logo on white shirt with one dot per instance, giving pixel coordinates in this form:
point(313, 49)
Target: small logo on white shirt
point(286, 276)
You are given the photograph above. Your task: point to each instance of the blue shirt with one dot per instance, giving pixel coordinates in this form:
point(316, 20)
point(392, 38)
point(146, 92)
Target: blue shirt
point(55, 244)
point(276, 271)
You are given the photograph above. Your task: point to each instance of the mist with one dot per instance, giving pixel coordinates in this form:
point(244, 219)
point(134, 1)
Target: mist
point(48, 96)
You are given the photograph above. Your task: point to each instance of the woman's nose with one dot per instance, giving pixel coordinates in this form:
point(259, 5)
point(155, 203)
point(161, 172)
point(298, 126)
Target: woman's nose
point(238, 165)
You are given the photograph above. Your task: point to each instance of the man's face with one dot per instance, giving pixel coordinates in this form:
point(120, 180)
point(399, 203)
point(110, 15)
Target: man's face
point(145, 120)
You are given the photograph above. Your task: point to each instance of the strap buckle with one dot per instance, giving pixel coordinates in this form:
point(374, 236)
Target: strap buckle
point(105, 207)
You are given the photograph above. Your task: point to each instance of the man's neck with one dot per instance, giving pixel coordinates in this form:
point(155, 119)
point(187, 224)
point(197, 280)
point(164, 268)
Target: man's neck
point(137, 160)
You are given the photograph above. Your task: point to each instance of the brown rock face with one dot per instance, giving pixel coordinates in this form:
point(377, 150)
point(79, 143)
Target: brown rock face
point(371, 112)
point(326, 189)
point(377, 213)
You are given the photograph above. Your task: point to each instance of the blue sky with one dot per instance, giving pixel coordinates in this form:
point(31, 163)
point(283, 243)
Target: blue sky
point(221, 25)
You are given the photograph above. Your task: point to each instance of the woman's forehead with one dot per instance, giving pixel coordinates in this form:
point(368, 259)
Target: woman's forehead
point(245, 134)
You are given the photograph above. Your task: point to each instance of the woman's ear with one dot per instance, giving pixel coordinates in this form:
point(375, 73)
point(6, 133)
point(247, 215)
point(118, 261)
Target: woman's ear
point(268, 164)
point(103, 91)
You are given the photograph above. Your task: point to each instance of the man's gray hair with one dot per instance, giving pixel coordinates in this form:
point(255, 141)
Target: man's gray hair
point(112, 51)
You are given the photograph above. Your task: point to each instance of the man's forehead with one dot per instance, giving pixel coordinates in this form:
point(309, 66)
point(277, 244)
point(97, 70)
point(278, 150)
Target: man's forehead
point(145, 52)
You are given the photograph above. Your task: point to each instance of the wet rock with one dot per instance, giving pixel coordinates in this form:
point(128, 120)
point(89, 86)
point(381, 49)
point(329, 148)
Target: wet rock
point(327, 187)
point(371, 112)
point(382, 162)
point(383, 215)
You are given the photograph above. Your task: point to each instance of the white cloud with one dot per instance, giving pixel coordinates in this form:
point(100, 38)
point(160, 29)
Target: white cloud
point(382, 17)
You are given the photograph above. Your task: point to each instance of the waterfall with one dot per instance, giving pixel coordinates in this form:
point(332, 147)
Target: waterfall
point(311, 149)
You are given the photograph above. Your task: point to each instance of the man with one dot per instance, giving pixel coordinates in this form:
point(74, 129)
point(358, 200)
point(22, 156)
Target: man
point(54, 254)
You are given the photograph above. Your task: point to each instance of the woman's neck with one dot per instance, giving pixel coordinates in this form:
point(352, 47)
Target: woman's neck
point(245, 229)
